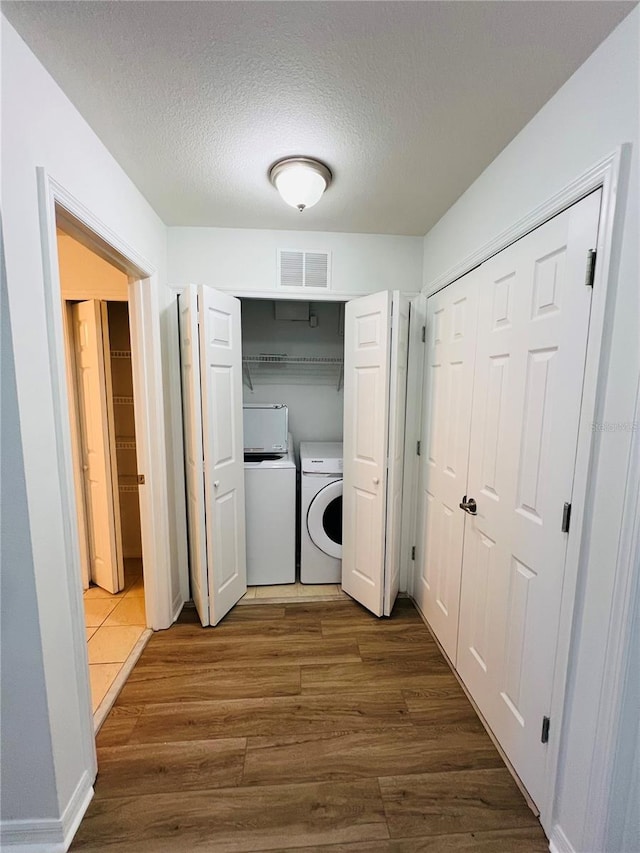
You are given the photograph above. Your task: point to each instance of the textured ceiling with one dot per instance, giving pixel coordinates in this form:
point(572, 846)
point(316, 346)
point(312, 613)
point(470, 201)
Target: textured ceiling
point(406, 101)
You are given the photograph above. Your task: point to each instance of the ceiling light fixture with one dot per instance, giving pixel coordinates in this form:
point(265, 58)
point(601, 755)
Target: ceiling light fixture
point(300, 180)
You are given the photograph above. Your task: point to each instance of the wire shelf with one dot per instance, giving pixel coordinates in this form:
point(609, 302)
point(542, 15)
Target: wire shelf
point(279, 368)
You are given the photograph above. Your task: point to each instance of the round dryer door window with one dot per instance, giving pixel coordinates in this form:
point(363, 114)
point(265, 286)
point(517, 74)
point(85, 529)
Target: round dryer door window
point(324, 519)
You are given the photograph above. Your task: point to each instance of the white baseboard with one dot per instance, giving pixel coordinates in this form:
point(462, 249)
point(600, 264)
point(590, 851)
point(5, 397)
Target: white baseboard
point(559, 843)
point(32, 836)
point(48, 835)
point(76, 808)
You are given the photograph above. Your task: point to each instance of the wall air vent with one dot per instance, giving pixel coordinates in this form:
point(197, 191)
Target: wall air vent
point(303, 270)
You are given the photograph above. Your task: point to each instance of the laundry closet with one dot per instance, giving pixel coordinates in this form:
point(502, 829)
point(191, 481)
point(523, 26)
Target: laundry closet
point(294, 418)
point(293, 361)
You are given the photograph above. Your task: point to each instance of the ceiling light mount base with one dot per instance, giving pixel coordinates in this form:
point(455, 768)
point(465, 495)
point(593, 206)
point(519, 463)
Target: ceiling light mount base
point(301, 181)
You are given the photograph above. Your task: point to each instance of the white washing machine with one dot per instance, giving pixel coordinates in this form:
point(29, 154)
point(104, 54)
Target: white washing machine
point(320, 512)
point(270, 504)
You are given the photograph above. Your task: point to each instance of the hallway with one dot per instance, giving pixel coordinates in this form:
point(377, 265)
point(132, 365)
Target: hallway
point(300, 727)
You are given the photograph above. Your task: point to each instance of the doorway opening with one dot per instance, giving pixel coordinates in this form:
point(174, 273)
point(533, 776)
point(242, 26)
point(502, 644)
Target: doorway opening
point(227, 440)
point(101, 408)
point(292, 356)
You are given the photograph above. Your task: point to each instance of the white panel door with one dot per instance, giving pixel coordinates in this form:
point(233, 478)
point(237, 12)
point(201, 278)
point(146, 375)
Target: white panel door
point(93, 370)
point(221, 383)
point(446, 430)
point(193, 451)
point(76, 444)
point(533, 323)
point(367, 340)
point(397, 412)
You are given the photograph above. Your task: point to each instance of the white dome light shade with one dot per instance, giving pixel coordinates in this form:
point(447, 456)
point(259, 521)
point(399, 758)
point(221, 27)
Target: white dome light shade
point(300, 181)
point(300, 186)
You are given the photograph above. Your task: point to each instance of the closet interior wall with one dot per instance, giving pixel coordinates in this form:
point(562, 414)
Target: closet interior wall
point(313, 393)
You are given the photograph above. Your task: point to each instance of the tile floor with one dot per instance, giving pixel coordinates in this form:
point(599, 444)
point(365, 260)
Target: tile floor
point(114, 624)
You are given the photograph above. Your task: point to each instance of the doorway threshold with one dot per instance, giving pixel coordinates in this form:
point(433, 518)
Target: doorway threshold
point(108, 701)
point(293, 592)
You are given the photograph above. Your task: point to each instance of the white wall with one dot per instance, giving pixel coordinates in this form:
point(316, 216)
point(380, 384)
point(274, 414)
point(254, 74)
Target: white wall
point(40, 127)
point(315, 407)
point(592, 114)
point(623, 829)
point(245, 259)
point(25, 740)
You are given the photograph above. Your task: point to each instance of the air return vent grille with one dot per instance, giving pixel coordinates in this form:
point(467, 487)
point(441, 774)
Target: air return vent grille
point(291, 269)
point(303, 269)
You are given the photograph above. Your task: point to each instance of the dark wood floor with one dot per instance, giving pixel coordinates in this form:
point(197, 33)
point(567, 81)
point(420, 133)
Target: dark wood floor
point(300, 727)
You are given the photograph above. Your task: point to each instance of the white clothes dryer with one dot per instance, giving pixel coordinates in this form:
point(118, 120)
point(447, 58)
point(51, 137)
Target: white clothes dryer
point(320, 512)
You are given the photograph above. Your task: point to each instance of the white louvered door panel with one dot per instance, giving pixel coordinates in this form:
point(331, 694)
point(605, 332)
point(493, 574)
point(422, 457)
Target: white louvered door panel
point(444, 459)
point(533, 322)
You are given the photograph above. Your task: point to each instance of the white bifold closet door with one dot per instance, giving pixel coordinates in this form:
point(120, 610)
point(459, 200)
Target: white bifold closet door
point(97, 441)
point(444, 459)
point(395, 455)
point(193, 450)
point(533, 324)
point(217, 417)
point(375, 372)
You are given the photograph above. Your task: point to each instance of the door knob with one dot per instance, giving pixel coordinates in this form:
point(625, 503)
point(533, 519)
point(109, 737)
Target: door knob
point(469, 506)
point(216, 483)
point(376, 480)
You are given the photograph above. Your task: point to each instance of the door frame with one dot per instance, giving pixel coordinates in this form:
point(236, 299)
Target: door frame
point(55, 202)
point(417, 319)
point(605, 175)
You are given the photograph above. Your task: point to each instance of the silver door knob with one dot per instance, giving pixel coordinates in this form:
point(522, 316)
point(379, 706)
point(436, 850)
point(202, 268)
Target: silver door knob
point(216, 483)
point(469, 506)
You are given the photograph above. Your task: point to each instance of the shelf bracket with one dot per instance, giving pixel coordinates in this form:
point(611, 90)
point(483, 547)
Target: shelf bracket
point(247, 374)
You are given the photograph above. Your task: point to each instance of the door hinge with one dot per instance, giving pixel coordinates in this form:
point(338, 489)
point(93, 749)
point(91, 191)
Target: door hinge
point(591, 268)
point(413, 552)
point(566, 517)
point(418, 447)
point(140, 479)
point(544, 735)
point(424, 334)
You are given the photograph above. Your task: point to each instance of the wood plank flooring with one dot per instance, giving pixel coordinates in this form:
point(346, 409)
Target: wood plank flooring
point(299, 728)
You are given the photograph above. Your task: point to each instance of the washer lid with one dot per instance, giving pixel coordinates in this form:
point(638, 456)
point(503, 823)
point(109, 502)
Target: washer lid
point(324, 519)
